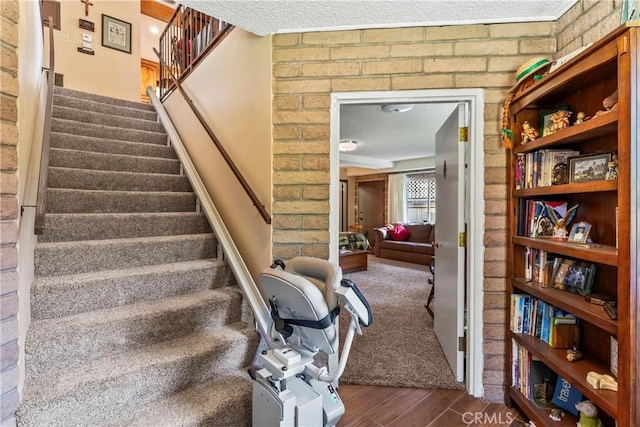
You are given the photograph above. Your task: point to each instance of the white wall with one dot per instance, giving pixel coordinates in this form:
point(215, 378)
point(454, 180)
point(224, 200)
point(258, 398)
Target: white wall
point(232, 90)
point(31, 102)
point(109, 72)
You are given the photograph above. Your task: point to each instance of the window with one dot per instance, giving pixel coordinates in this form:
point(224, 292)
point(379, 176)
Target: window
point(421, 197)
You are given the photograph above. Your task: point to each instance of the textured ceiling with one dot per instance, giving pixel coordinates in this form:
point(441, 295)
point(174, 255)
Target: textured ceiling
point(264, 17)
point(383, 138)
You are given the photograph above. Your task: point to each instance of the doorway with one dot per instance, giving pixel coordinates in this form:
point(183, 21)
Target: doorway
point(370, 207)
point(474, 202)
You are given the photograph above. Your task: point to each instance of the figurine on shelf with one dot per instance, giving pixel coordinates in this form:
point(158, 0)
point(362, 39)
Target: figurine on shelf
point(610, 101)
point(528, 133)
point(588, 414)
point(560, 223)
point(612, 168)
point(574, 354)
point(556, 414)
point(580, 117)
point(560, 119)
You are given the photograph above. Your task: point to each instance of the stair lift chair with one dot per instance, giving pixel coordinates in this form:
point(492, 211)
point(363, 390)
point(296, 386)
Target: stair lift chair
point(305, 296)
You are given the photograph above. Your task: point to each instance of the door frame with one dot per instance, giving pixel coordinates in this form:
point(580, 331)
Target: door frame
point(474, 362)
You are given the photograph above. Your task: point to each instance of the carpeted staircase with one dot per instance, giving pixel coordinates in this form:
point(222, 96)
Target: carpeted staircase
point(134, 320)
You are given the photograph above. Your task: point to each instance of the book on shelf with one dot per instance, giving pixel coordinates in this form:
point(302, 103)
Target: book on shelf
point(565, 396)
point(535, 317)
point(542, 380)
point(542, 168)
point(613, 366)
point(537, 218)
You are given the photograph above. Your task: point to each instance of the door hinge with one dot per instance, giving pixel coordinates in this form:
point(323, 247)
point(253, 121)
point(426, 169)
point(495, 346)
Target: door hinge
point(464, 134)
point(462, 239)
point(462, 344)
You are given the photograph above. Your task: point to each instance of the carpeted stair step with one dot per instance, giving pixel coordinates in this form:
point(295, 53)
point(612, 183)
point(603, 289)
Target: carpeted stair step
point(103, 99)
point(225, 401)
point(60, 296)
point(87, 179)
point(64, 200)
point(102, 145)
point(108, 132)
point(69, 341)
point(67, 227)
point(61, 100)
point(60, 157)
point(103, 389)
point(62, 258)
point(93, 117)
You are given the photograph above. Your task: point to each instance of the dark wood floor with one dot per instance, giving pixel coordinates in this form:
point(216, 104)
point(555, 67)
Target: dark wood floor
point(372, 406)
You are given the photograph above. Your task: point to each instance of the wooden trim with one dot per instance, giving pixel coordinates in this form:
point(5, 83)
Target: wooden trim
point(156, 10)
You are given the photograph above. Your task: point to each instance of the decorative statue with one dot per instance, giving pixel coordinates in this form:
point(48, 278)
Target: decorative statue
point(574, 354)
point(560, 119)
point(612, 168)
point(560, 223)
point(528, 133)
point(588, 414)
point(580, 117)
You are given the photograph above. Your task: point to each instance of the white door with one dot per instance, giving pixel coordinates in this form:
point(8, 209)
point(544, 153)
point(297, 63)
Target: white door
point(449, 273)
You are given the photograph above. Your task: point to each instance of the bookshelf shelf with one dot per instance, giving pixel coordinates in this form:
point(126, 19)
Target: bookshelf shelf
point(602, 254)
point(586, 83)
point(574, 372)
point(603, 124)
point(540, 415)
point(572, 303)
point(582, 187)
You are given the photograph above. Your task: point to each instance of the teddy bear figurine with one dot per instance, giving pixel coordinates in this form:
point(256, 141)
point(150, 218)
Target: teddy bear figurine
point(588, 414)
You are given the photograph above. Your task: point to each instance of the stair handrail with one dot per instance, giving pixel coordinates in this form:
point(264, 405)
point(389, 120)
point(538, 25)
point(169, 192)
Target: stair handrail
point(41, 196)
point(245, 185)
point(249, 288)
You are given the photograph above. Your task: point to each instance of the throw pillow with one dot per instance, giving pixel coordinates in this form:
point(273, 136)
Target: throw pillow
point(399, 233)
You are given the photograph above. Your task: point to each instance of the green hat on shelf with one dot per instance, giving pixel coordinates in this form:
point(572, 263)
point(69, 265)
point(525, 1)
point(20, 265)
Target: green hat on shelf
point(528, 68)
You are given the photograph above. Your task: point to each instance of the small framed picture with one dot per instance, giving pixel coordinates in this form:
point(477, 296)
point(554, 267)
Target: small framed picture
point(590, 167)
point(579, 232)
point(116, 34)
point(554, 120)
point(573, 276)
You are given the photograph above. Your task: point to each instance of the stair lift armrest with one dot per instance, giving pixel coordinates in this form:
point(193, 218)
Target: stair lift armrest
point(356, 304)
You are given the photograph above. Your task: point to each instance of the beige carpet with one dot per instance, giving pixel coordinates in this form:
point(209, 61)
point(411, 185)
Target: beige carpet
point(400, 348)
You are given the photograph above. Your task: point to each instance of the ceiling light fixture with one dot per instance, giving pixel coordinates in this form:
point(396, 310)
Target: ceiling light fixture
point(396, 108)
point(348, 145)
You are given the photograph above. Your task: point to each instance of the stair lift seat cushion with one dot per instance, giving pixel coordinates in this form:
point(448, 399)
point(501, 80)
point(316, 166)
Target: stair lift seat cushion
point(322, 273)
point(305, 292)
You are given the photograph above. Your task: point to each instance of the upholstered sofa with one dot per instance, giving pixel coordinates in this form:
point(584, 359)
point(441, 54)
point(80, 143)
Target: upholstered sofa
point(417, 248)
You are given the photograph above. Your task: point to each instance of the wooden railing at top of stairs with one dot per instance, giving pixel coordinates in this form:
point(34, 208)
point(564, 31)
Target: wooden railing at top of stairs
point(185, 41)
point(188, 37)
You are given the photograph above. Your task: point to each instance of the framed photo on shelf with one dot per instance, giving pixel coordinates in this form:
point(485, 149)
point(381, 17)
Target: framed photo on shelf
point(579, 232)
point(590, 167)
point(553, 120)
point(573, 276)
point(116, 34)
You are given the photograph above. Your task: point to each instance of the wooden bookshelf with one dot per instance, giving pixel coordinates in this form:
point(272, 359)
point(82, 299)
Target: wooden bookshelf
point(609, 66)
point(540, 415)
point(572, 303)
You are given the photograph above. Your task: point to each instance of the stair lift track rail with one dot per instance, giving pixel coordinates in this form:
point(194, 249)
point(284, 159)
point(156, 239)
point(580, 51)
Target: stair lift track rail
point(247, 284)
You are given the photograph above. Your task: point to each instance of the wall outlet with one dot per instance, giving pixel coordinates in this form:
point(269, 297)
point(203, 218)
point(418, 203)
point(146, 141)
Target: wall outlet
point(64, 38)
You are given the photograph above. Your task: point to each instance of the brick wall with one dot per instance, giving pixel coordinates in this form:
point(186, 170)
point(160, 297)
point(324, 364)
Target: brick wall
point(9, 373)
point(585, 23)
point(308, 67)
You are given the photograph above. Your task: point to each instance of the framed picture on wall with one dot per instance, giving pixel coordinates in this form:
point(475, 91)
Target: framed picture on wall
point(116, 34)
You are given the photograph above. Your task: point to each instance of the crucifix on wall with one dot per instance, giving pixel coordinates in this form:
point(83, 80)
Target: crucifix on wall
point(86, 6)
